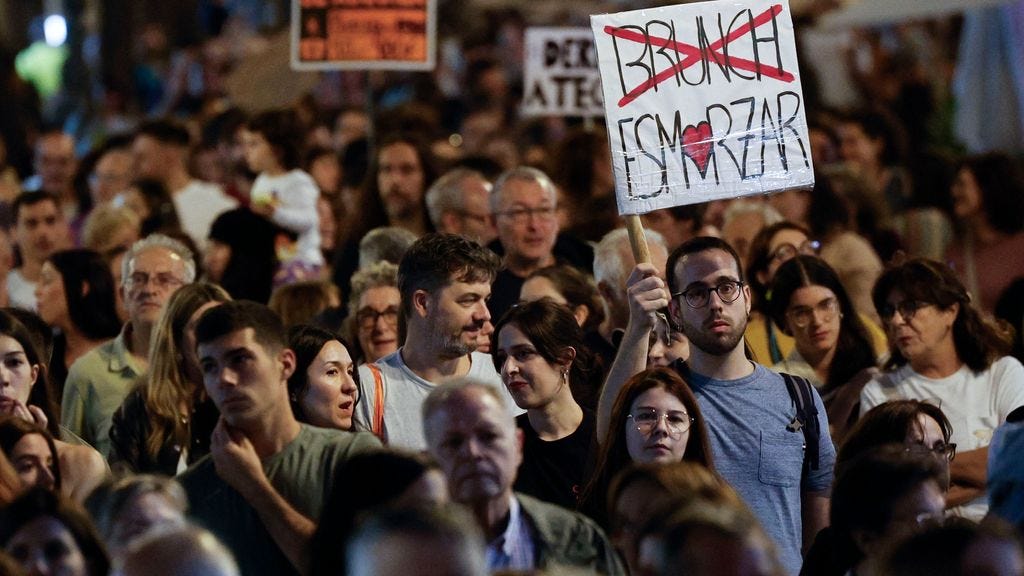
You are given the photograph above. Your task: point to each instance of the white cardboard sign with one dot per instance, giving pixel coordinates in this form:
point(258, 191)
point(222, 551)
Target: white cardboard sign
point(703, 101)
point(561, 77)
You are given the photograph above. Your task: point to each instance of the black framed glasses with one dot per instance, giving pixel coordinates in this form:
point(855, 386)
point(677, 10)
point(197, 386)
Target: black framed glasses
point(698, 296)
point(906, 308)
point(676, 421)
point(366, 318)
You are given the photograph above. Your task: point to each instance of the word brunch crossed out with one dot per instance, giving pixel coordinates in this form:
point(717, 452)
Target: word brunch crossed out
point(703, 97)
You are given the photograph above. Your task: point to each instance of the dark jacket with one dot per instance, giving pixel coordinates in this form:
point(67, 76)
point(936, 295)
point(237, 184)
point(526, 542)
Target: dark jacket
point(131, 426)
point(568, 539)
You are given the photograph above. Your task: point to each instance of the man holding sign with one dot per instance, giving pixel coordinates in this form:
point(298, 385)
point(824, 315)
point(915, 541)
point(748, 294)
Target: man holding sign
point(756, 436)
point(703, 102)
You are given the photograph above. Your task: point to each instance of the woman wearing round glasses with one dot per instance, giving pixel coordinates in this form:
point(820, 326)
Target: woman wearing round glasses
point(771, 248)
point(945, 351)
point(832, 347)
point(654, 419)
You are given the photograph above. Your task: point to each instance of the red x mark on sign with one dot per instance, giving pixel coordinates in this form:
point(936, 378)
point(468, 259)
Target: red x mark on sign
point(693, 54)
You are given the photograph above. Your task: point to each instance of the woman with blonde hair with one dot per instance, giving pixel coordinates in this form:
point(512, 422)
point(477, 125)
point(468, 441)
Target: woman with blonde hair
point(165, 423)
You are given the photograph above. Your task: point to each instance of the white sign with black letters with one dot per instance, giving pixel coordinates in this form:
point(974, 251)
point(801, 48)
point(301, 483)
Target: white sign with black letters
point(561, 77)
point(703, 101)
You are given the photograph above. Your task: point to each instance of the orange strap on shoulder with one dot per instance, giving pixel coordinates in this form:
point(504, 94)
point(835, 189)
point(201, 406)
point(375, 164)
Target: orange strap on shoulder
point(377, 425)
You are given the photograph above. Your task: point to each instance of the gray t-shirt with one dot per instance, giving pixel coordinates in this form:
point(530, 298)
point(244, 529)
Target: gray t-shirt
point(759, 457)
point(302, 473)
point(404, 393)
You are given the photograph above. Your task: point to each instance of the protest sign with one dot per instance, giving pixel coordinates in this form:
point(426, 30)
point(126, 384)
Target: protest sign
point(561, 77)
point(363, 34)
point(703, 101)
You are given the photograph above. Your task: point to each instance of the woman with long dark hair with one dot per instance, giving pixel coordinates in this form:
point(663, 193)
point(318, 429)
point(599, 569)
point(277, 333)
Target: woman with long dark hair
point(832, 347)
point(28, 395)
point(945, 350)
point(654, 419)
point(75, 294)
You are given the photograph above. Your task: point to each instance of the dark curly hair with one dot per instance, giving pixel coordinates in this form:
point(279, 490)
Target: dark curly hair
point(979, 341)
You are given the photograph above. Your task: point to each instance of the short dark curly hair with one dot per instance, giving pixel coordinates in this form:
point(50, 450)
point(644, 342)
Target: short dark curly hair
point(437, 259)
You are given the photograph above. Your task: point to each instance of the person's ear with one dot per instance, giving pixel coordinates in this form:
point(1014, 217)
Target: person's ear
point(746, 298)
point(581, 313)
point(420, 303)
point(85, 288)
point(567, 357)
point(287, 360)
point(34, 375)
point(450, 222)
point(607, 293)
point(675, 314)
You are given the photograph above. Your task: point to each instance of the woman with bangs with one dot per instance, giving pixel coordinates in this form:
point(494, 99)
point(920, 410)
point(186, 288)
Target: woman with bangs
point(324, 387)
point(943, 350)
point(655, 418)
point(832, 347)
point(165, 422)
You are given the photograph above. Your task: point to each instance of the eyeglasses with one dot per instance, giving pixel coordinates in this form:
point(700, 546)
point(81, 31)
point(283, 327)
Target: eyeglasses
point(162, 281)
point(698, 296)
point(676, 421)
point(786, 250)
point(802, 316)
point(478, 218)
point(946, 451)
point(906, 308)
point(367, 317)
point(522, 215)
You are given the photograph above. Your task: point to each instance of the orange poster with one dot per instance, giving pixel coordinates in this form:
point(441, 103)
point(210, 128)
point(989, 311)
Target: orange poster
point(363, 34)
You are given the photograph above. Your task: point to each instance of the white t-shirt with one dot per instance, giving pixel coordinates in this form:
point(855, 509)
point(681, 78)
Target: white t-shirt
point(198, 205)
point(404, 393)
point(21, 293)
point(975, 403)
point(294, 196)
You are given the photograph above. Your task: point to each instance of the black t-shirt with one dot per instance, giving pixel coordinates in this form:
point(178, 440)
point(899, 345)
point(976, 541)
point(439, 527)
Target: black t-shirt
point(555, 471)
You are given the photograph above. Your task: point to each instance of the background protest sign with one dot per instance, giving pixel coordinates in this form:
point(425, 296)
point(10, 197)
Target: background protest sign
point(561, 76)
point(363, 34)
point(703, 101)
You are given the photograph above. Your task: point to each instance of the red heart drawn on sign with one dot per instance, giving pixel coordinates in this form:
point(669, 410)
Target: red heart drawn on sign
point(697, 144)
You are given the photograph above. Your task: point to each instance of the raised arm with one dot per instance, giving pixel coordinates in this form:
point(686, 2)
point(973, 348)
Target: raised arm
point(647, 294)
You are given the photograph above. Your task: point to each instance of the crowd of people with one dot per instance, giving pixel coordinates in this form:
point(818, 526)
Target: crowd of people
point(316, 341)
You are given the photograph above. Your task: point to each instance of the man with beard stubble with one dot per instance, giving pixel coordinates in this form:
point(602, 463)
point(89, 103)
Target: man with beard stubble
point(757, 442)
point(444, 281)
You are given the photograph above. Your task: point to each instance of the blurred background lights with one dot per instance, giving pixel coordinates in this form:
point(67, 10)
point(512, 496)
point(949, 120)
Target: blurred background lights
point(55, 30)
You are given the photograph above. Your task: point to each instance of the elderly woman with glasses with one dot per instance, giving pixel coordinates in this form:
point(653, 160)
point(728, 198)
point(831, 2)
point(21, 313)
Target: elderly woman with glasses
point(655, 418)
point(945, 351)
point(832, 347)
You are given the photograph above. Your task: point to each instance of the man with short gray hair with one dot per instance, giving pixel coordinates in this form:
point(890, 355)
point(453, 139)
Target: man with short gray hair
point(524, 203)
point(475, 441)
point(152, 271)
point(458, 203)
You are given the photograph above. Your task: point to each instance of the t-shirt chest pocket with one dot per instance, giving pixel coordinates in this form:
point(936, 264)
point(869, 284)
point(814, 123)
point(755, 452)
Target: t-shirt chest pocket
point(781, 458)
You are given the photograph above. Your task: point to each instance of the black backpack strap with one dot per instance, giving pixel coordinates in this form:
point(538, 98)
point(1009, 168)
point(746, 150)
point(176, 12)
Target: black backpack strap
point(802, 394)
